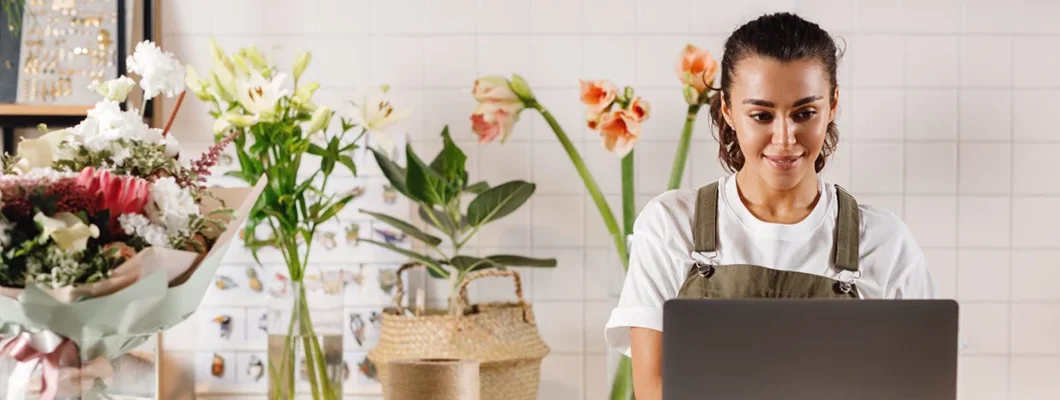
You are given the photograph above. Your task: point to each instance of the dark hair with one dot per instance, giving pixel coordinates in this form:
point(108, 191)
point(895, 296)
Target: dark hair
point(784, 37)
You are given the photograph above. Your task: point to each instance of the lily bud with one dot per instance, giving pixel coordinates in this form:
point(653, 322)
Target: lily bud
point(691, 95)
point(221, 126)
point(304, 93)
point(301, 61)
point(218, 52)
point(196, 84)
point(521, 88)
point(321, 118)
point(240, 120)
point(240, 64)
point(225, 84)
point(256, 59)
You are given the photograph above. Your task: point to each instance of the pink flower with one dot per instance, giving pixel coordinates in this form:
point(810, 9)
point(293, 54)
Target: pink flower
point(492, 120)
point(599, 94)
point(639, 108)
point(620, 130)
point(492, 89)
point(119, 194)
point(592, 119)
point(695, 67)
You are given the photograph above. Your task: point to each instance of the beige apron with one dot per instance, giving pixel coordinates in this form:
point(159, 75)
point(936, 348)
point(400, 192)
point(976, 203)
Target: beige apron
point(707, 280)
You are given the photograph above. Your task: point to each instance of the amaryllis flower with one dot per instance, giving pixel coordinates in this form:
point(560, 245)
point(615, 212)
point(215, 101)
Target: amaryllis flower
point(119, 194)
point(695, 67)
point(639, 108)
point(620, 130)
point(492, 120)
point(598, 94)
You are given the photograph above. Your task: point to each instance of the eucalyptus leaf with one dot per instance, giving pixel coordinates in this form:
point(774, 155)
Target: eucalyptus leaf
point(499, 201)
point(510, 260)
point(405, 227)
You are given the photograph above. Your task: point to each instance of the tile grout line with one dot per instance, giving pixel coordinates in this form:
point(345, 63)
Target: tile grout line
point(1011, 209)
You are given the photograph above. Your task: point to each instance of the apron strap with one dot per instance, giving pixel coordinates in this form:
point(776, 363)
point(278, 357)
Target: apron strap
point(705, 222)
point(848, 231)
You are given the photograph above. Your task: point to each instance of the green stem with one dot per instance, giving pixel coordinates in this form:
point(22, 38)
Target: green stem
point(629, 202)
point(590, 183)
point(681, 158)
point(622, 387)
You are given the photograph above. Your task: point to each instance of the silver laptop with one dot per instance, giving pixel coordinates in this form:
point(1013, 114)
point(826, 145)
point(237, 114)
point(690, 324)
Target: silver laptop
point(794, 349)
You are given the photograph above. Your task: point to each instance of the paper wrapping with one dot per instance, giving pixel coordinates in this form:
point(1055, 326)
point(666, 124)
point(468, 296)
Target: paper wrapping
point(157, 289)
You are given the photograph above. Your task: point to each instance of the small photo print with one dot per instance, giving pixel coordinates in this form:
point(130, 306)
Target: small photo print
point(363, 326)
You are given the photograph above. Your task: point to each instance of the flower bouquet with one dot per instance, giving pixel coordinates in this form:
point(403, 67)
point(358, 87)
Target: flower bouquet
point(618, 115)
point(106, 237)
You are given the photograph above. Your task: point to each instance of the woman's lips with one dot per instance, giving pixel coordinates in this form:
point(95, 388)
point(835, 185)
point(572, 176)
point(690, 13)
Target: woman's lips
point(782, 163)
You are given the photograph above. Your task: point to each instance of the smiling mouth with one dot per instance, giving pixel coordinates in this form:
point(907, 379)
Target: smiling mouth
point(782, 162)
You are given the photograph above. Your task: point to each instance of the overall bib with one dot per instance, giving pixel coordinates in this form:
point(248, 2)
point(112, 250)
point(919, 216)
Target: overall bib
point(708, 280)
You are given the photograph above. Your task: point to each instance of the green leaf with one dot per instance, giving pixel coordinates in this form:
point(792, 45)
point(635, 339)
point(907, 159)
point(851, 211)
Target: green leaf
point(510, 260)
point(499, 202)
point(334, 209)
point(432, 265)
point(235, 174)
point(450, 162)
point(348, 162)
point(478, 187)
point(424, 183)
point(448, 226)
point(468, 264)
point(393, 172)
point(406, 228)
point(316, 150)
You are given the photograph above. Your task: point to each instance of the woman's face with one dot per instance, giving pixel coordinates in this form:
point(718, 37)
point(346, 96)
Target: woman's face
point(780, 112)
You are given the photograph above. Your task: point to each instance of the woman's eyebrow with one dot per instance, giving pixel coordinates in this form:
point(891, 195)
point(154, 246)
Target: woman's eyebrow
point(764, 103)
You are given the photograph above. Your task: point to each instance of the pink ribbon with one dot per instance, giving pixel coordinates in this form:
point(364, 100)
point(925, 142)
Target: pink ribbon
point(21, 348)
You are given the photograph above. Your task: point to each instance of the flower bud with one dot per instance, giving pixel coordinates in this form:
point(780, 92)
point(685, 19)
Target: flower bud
point(221, 126)
point(304, 93)
point(240, 64)
point(225, 84)
point(691, 95)
point(240, 120)
point(114, 89)
point(218, 52)
point(521, 88)
point(253, 55)
point(196, 84)
point(301, 61)
point(321, 118)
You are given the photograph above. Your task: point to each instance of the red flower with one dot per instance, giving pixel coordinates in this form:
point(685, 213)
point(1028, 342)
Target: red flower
point(119, 194)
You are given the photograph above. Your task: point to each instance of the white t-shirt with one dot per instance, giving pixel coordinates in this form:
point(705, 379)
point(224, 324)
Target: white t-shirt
point(891, 263)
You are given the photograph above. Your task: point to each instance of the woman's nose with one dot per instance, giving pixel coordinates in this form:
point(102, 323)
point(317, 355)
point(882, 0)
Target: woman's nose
point(783, 132)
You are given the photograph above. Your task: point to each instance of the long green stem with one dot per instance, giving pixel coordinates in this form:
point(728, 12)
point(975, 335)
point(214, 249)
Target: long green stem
point(681, 157)
point(629, 202)
point(622, 387)
point(590, 183)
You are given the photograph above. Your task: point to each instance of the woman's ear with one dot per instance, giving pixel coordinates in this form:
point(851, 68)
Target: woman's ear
point(726, 112)
point(834, 107)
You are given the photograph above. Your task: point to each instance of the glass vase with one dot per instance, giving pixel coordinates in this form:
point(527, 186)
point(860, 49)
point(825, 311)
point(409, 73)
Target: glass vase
point(305, 342)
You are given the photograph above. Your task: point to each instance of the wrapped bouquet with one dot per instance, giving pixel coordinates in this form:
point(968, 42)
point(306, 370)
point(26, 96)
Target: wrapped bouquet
point(106, 237)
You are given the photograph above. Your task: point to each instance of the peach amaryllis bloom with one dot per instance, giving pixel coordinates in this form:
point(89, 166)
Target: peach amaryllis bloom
point(695, 67)
point(495, 120)
point(639, 108)
point(620, 130)
point(599, 94)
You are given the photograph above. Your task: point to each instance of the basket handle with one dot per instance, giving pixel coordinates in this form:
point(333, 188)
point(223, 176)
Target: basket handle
point(462, 302)
point(399, 287)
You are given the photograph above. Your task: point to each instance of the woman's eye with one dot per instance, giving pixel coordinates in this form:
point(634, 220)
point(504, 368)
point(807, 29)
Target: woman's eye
point(762, 117)
point(805, 115)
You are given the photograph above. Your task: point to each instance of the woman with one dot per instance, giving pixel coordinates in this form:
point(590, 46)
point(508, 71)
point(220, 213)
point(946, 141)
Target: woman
point(774, 228)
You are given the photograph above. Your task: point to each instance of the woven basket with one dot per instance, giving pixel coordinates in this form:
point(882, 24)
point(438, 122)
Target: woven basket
point(503, 337)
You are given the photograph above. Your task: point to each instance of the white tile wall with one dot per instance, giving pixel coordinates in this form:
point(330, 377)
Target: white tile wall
point(946, 122)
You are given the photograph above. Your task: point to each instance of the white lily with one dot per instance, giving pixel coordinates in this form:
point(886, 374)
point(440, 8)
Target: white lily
point(259, 96)
point(114, 89)
point(68, 231)
point(375, 114)
point(42, 151)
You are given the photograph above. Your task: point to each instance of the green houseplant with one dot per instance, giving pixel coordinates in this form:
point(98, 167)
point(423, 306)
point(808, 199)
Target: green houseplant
point(439, 189)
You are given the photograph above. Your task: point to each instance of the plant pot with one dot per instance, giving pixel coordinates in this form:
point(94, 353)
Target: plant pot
point(305, 342)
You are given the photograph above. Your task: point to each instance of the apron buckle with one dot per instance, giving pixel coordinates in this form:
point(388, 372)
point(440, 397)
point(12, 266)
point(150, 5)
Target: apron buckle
point(705, 270)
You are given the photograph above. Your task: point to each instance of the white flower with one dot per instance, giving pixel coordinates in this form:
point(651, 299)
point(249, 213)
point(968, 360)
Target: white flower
point(159, 72)
point(41, 152)
point(5, 232)
point(259, 96)
point(114, 89)
point(171, 206)
point(138, 225)
point(375, 114)
point(172, 145)
point(69, 232)
point(107, 122)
